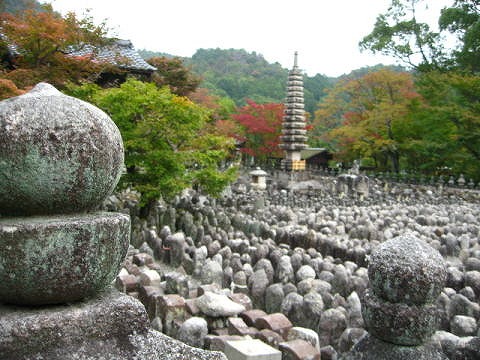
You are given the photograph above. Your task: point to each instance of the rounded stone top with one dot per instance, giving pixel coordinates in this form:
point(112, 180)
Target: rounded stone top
point(58, 154)
point(407, 270)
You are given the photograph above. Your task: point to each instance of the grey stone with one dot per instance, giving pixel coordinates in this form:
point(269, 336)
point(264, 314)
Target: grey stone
point(461, 325)
point(292, 307)
point(266, 265)
point(472, 279)
point(371, 348)
point(407, 270)
point(251, 349)
point(305, 272)
point(273, 298)
point(399, 323)
point(349, 338)
point(257, 283)
point(354, 308)
point(110, 326)
point(449, 343)
point(332, 324)
point(176, 245)
point(460, 305)
point(313, 307)
point(217, 305)
point(193, 332)
point(284, 272)
point(57, 259)
point(211, 272)
point(58, 154)
point(328, 353)
point(302, 333)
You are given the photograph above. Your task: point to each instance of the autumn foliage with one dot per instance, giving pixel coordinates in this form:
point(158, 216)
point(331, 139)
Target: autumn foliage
point(38, 46)
point(369, 117)
point(261, 128)
point(8, 89)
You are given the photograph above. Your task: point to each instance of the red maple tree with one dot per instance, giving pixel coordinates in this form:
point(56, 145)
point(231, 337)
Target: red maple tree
point(261, 124)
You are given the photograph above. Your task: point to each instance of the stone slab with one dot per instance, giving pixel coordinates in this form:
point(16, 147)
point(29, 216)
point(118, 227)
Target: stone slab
point(251, 349)
point(112, 326)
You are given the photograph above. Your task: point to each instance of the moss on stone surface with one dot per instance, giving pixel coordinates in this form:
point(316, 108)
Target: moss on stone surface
point(56, 259)
point(58, 154)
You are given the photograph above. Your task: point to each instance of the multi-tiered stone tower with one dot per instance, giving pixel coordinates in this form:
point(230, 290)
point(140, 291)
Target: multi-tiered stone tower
point(294, 133)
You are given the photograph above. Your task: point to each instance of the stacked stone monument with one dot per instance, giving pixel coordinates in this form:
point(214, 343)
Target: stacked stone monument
point(294, 138)
point(406, 277)
point(59, 159)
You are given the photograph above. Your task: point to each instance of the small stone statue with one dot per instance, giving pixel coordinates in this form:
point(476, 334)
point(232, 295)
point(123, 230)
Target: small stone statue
point(406, 277)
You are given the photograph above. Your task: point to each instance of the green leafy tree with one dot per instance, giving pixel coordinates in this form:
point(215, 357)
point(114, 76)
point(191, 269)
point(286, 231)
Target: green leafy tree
point(450, 124)
point(169, 143)
point(463, 20)
point(398, 33)
point(447, 78)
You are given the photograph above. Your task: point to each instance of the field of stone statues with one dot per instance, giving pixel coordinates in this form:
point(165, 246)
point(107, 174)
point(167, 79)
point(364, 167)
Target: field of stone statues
point(257, 263)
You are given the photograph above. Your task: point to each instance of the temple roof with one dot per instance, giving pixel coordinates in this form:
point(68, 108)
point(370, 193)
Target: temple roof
point(120, 53)
point(310, 152)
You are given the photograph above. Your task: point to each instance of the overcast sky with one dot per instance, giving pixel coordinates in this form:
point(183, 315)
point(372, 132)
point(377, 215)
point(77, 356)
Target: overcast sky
point(324, 32)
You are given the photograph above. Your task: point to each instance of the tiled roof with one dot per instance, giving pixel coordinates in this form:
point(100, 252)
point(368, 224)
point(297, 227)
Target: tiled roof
point(309, 152)
point(12, 48)
point(120, 53)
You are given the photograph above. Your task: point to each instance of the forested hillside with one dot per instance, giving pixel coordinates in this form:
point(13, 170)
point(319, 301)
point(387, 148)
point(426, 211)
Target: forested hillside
point(241, 75)
point(13, 6)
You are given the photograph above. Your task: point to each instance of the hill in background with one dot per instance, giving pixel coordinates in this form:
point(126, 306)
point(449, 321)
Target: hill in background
point(12, 6)
point(241, 75)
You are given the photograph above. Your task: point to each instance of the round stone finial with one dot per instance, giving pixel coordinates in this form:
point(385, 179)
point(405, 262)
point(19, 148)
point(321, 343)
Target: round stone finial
point(407, 270)
point(58, 154)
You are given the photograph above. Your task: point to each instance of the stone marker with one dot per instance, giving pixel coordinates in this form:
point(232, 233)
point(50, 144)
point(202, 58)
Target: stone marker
point(251, 349)
point(406, 277)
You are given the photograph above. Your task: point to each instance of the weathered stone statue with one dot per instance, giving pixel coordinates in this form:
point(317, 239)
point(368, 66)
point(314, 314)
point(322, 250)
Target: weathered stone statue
point(60, 158)
point(406, 277)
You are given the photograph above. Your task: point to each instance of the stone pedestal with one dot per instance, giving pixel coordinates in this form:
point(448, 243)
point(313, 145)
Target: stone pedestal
point(59, 259)
point(372, 348)
point(111, 326)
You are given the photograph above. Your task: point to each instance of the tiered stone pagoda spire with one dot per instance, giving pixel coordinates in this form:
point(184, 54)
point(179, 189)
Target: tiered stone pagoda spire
point(294, 137)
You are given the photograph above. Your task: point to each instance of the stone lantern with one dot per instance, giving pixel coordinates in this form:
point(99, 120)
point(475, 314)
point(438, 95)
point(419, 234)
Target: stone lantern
point(258, 179)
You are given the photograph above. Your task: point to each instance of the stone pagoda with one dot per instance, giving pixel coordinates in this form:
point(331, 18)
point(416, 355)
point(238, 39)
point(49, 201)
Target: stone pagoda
point(294, 138)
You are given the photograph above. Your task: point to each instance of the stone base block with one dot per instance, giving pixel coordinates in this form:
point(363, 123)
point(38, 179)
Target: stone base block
point(371, 348)
point(399, 323)
point(251, 350)
point(110, 318)
point(60, 259)
point(113, 326)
